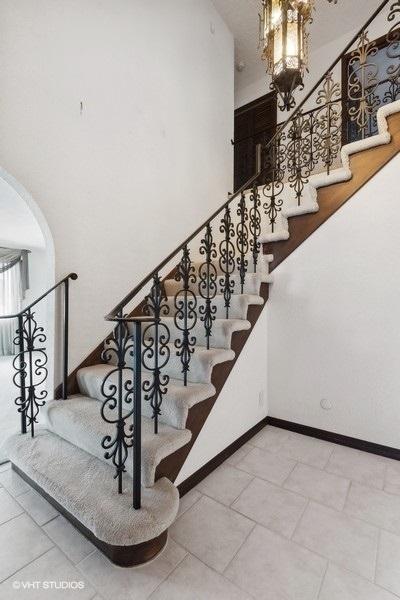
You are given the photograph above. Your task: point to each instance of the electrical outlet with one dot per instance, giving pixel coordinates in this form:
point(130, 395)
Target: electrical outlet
point(326, 404)
point(261, 399)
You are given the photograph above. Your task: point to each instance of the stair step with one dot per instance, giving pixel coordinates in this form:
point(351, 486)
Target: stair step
point(252, 284)
point(221, 332)
point(175, 404)
point(262, 265)
point(84, 486)
point(78, 420)
point(202, 362)
point(239, 305)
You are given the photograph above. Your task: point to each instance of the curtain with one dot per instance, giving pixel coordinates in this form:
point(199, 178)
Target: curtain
point(11, 294)
point(9, 258)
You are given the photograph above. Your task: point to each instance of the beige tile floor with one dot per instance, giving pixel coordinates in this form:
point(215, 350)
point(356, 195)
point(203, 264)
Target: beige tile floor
point(286, 518)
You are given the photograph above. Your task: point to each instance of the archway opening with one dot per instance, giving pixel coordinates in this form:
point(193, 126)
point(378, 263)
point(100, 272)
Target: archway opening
point(22, 228)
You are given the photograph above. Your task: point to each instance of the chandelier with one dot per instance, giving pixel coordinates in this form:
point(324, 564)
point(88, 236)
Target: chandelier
point(284, 39)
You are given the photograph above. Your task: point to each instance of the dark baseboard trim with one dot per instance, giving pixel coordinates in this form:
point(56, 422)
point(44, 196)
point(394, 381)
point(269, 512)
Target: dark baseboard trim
point(336, 438)
point(215, 462)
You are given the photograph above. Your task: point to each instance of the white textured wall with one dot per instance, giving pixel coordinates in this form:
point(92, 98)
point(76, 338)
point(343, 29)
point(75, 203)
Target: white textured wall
point(334, 320)
point(124, 180)
point(242, 403)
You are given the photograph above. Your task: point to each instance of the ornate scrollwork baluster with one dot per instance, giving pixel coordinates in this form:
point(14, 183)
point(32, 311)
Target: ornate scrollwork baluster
point(208, 282)
point(363, 83)
point(185, 316)
point(393, 54)
point(242, 240)
point(117, 407)
point(156, 352)
point(274, 188)
point(255, 224)
point(298, 155)
point(227, 258)
point(31, 371)
point(329, 122)
point(311, 132)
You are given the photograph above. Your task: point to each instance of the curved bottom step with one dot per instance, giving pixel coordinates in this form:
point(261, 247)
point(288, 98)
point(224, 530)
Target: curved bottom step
point(123, 556)
point(90, 500)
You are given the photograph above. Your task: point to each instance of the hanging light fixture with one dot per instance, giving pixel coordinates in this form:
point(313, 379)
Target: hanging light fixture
point(284, 37)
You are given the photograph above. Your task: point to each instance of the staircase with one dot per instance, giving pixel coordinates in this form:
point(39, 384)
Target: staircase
point(136, 406)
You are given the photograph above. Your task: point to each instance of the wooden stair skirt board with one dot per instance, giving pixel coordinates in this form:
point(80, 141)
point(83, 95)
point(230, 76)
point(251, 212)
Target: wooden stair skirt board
point(336, 438)
point(123, 556)
point(363, 165)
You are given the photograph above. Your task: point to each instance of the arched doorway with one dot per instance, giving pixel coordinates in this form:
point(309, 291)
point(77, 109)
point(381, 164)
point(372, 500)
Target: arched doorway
point(22, 227)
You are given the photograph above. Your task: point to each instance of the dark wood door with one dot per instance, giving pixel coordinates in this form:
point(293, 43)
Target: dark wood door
point(254, 125)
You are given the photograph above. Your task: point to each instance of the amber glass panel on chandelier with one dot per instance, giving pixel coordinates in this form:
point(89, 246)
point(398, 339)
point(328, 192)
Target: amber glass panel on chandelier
point(283, 37)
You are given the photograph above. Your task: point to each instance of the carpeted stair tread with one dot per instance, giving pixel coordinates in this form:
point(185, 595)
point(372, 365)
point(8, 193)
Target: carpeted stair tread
point(85, 487)
point(175, 404)
point(251, 285)
point(239, 305)
point(202, 362)
point(78, 420)
point(262, 267)
point(221, 331)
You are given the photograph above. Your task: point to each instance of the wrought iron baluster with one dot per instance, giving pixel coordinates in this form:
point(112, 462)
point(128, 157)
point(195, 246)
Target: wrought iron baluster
point(30, 365)
point(137, 419)
point(185, 316)
point(310, 129)
point(208, 282)
point(156, 351)
point(66, 340)
point(363, 83)
point(274, 188)
point(20, 372)
point(329, 122)
point(255, 224)
point(242, 240)
point(30, 349)
point(298, 156)
point(393, 53)
point(393, 92)
point(116, 409)
point(227, 258)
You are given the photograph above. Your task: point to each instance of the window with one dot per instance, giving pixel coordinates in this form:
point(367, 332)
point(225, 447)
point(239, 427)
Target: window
point(14, 281)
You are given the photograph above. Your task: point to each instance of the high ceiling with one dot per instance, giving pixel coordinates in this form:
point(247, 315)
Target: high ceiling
point(330, 21)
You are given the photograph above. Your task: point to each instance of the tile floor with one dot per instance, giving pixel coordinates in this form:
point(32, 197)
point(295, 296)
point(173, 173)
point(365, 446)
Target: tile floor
point(285, 518)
